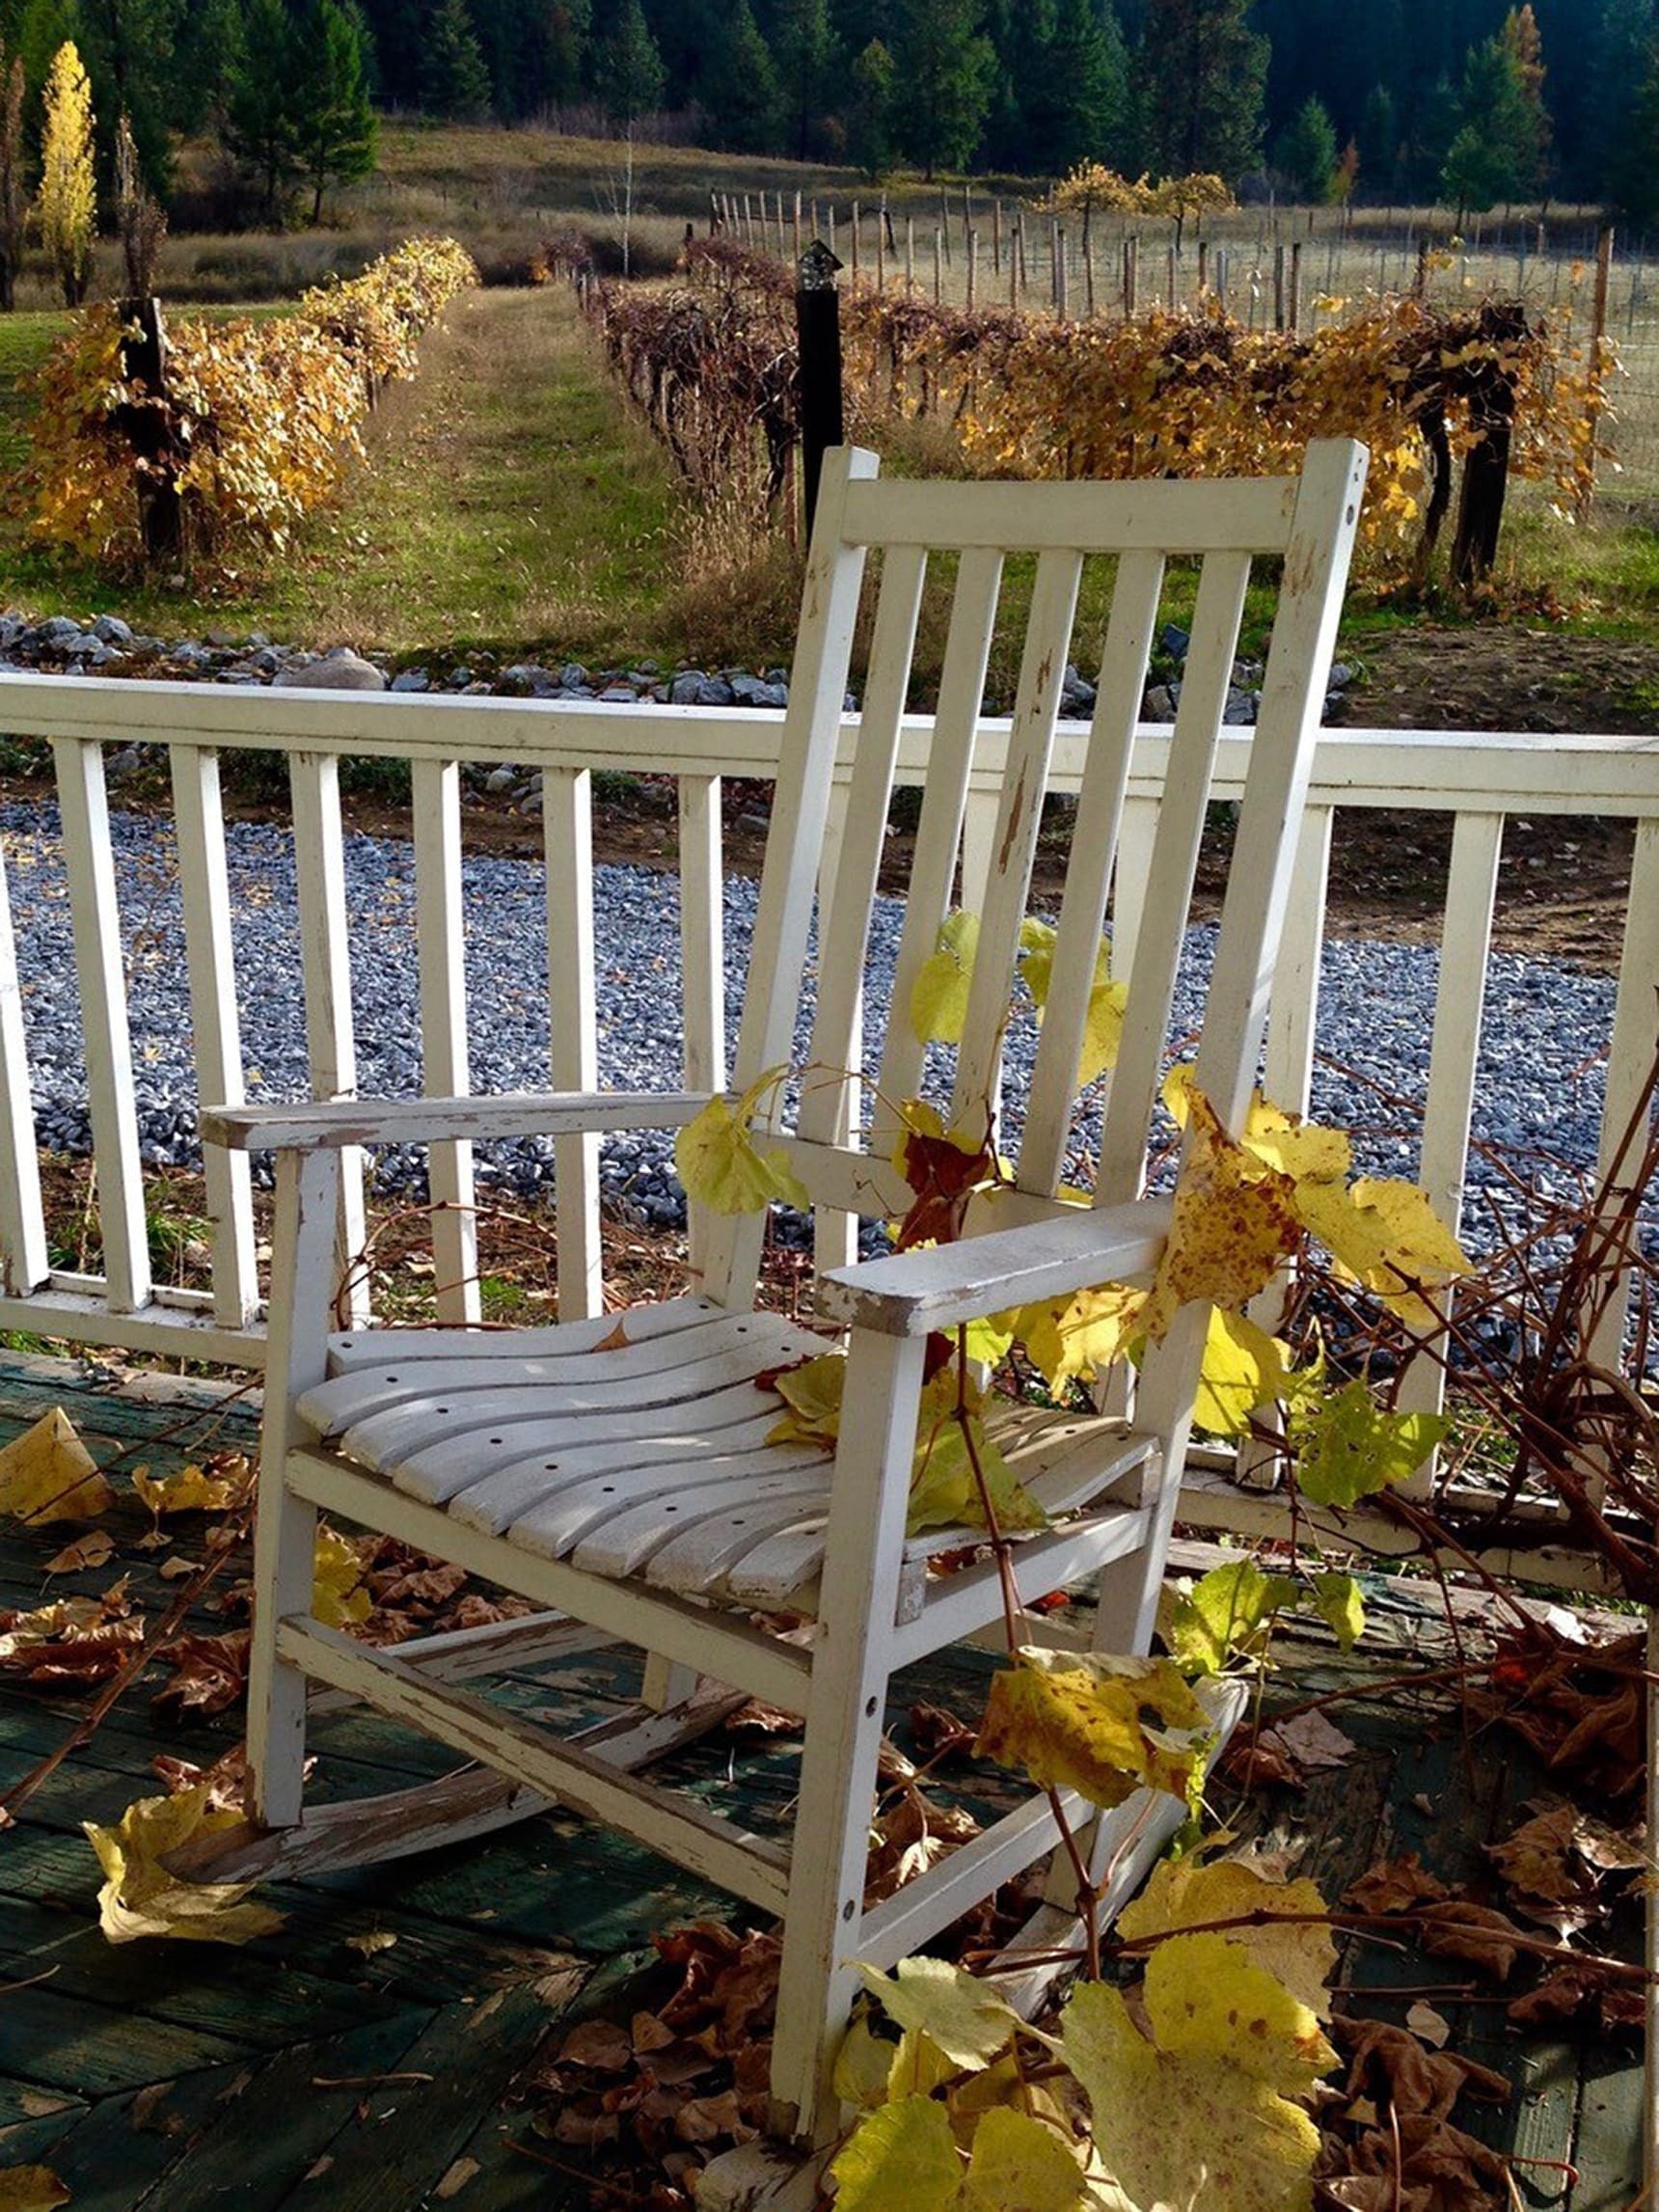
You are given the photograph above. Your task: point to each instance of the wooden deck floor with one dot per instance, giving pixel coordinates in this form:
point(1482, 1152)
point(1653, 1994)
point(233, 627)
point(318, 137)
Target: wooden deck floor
point(310, 2070)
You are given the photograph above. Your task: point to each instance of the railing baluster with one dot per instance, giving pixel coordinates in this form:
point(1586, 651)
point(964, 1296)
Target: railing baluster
point(441, 944)
point(1454, 1057)
point(1288, 1064)
point(702, 955)
point(325, 956)
point(24, 1259)
point(209, 954)
point(567, 825)
point(1630, 1057)
point(1130, 880)
point(89, 863)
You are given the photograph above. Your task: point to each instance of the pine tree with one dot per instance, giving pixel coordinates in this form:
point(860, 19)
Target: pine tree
point(870, 110)
point(945, 67)
point(13, 196)
point(1490, 158)
point(741, 89)
point(1076, 111)
point(1204, 70)
point(335, 130)
point(1379, 138)
point(805, 48)
point(1633, 172)
point(569, 25)
point(1525, 48)
point(454, 79)
point(631, 70)
point(67, 201)
point(260, 132)
point(1307, 151)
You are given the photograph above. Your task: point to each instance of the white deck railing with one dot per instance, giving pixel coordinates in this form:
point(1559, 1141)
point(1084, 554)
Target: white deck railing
point(1478, 778)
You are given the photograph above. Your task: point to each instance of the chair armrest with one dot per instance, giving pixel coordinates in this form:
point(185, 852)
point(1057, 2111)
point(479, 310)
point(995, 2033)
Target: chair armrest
point(912, 1293)
point(337, 1122)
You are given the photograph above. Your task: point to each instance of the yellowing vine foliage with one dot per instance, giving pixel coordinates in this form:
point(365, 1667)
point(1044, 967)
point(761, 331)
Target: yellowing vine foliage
point(261, 419)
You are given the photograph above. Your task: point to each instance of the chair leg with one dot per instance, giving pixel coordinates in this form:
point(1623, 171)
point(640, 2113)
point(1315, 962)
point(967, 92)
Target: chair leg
point(665, 1682)
point(284, 1535)
point(844, 1718)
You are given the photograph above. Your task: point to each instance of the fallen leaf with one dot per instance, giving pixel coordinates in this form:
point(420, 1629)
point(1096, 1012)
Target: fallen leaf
point(600, 2044)
point(210, 1676)
point(87, 1551)
point(370, 1941)
point(1433, 2027)
point(1314, 1743)
point(30, 2189)
point(1393, 2067)
point(188, 1489)
point(456, 2178)
point(1395, 1885)
point(141, 1898)
point(1478, 1933)
point(47, 1474)
point(71, 1642)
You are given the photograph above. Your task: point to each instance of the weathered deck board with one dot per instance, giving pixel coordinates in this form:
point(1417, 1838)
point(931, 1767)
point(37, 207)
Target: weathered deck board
point(495, 1942)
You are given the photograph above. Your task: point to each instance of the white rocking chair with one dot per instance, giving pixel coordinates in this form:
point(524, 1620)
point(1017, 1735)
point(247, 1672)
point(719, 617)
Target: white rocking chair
point(629, 1486)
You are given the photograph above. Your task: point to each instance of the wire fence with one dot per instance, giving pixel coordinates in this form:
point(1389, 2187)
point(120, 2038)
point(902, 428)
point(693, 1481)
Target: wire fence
point(1284, 268)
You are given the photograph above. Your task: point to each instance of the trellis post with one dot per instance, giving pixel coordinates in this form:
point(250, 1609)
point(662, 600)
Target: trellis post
point(818, 332)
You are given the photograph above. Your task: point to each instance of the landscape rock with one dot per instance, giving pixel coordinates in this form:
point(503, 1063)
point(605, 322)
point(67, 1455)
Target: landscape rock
point(341, 672)
point(112, 630)
point(411, 680)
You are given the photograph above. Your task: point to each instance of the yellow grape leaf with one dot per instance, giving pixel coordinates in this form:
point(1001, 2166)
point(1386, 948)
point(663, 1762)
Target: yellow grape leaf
point(1082, 1720)
point(1387, 1236)
point(338, 1599)
point(1284, 1142)
point(901, 2159)
point(31, 2189)
point(1190, 1893)
point(1338, 1601)
point(1231, 1228)
point(1348, 1447)
point(47, 1474)
point(1020, 2166)
point(967, 2019)
point(1242, 1368)
point(190, 1489)
point(719, 1164)
point(1224, 1614)
point(863, 2066)
point(988, 1338)
point(938, 996)
point(140, 1898)
point(944, 1488)
point(1080, 1336)
point(812, 1394)
point(1302, 1150)
point(919, 2067)
point(1178, 2131)
point(1103, 1023)
point(1206, 1997)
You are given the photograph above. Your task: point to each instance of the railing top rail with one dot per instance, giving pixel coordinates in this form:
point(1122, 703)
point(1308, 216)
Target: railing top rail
point(1446, 770)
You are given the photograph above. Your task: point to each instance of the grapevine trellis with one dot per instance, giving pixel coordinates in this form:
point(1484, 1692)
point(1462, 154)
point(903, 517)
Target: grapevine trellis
point(1166, 393)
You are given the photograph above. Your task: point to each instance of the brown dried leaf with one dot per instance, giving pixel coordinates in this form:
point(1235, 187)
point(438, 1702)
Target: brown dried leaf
point(600, 2044)
point(1395, 1885)
point(1478, 1933)
point(87, 1551)
point(1313, 1742)
point(1391, 2068)
point(210, 1676)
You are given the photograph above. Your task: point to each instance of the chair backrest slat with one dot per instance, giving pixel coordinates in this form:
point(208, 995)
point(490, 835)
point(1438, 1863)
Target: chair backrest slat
point(939, 833)
point(1094, 837)
point(1182, 808)
point(1018, 820)
point(827, 1110)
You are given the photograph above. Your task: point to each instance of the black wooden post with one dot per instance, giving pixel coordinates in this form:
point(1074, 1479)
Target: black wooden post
point(148, 427)
point(1486, 464)
point(818, 330)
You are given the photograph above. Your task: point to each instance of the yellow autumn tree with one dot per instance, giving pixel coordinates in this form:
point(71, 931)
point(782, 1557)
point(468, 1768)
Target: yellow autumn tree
point(67, 201)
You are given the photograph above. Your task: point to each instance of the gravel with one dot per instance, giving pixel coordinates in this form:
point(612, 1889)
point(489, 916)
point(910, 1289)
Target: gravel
point(1537, 1099)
